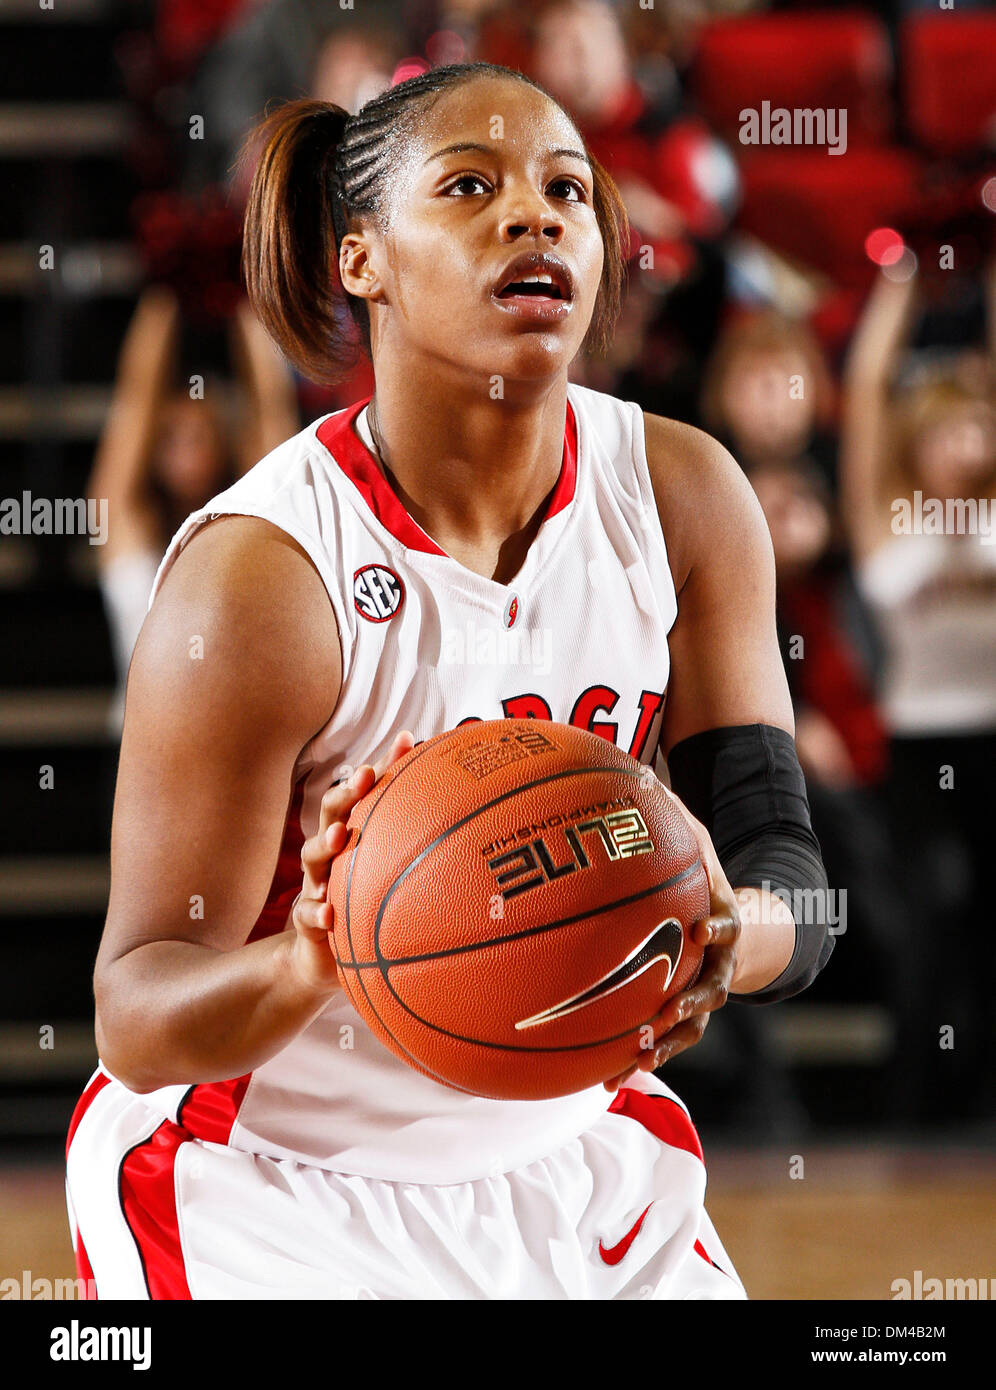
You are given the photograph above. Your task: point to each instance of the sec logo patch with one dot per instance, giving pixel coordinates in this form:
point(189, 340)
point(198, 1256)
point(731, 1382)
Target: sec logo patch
point(378, 593)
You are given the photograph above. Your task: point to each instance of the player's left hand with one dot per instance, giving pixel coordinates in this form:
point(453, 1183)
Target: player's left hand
point(683, 1019)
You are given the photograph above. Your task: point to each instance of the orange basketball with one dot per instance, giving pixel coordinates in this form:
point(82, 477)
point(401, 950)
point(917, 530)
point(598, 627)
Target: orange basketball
point(513, 906)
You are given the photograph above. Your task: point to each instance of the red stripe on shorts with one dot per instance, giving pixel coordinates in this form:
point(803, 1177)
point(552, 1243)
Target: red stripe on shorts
point(701, 1250)
point(148, 1181)
point(671, 1123)
point(663, 1116)
point(94, 1088)
point(148, 1201)
point(209, 1111)
point(83, 1105)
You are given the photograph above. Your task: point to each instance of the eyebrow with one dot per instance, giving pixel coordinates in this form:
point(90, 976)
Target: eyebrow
point(489, 149)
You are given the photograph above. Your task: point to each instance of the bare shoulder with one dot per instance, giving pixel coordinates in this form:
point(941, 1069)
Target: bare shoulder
point(243, 616)
point(726, 667)
point(703, 497)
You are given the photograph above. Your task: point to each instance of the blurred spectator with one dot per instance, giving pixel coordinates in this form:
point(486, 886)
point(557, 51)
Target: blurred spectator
point(348, 68)
point(839, 734)
point(166, 449)
point(909, 453)
point(352, 68)
point(768, 393)
point(272, 54)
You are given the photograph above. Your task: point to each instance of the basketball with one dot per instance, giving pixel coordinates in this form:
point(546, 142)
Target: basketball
point(513, 906)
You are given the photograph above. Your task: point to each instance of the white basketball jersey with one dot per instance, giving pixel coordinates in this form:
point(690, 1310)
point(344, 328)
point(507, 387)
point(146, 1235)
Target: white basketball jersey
point(578, 636)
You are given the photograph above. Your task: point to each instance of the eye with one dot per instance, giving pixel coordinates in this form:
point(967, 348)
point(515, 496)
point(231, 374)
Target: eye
point(460, 184)
point(576, 191)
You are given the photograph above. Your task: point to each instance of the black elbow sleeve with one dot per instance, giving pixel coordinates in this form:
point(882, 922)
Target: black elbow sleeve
point(745, 785)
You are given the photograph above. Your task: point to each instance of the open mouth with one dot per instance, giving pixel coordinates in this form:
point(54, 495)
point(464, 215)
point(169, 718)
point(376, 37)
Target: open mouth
point(536, 289)
point(538, 286)
point(536, 275)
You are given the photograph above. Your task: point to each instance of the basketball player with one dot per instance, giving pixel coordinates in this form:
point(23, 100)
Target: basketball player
point(245, 1135)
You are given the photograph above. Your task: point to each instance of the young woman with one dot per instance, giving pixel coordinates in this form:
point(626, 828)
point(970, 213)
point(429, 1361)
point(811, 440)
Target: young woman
point(918, 485)
point(163, 454)
point(245, 1135)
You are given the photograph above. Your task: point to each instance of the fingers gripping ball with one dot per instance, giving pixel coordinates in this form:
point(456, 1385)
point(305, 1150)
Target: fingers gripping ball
point(513, 907)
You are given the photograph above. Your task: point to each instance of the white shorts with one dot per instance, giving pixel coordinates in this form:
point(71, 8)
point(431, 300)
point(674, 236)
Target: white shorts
point(616, 1213)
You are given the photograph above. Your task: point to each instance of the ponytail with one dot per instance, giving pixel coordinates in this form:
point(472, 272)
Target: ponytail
point(293, 223)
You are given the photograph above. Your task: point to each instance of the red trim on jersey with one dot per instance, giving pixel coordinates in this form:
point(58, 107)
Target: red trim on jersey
point(209, 1111)
point(83, 1105)
point(348, 450)
point(663, 1116)
point(567, 482)
point(148, 1201)
point(339, 436)
point(148, 1181)
point(287, 876)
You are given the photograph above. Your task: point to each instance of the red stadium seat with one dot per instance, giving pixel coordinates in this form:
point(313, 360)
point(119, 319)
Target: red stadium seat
point(817, 210)
point(802, 61)
point(949, 80)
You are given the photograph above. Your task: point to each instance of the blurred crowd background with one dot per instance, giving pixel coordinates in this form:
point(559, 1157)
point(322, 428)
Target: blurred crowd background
point(831, 316)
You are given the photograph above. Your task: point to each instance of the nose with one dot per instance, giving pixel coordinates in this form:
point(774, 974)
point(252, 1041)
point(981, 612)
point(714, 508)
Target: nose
point(529, 214)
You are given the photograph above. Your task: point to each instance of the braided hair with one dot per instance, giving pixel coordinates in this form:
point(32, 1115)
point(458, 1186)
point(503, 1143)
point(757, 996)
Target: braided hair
point(320, 168)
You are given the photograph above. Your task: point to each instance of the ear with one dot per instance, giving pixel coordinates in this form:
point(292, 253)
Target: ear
point(356, 268)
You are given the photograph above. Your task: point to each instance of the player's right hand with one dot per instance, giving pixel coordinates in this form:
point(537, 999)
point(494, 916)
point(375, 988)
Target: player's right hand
point(684, 1017)
point(311, 915)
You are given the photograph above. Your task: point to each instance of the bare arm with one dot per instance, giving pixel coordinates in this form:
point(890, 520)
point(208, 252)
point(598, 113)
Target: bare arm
point(272, 413)
point(726, 666)
point(869, 372)
point(204, 781)
point(121, 464)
